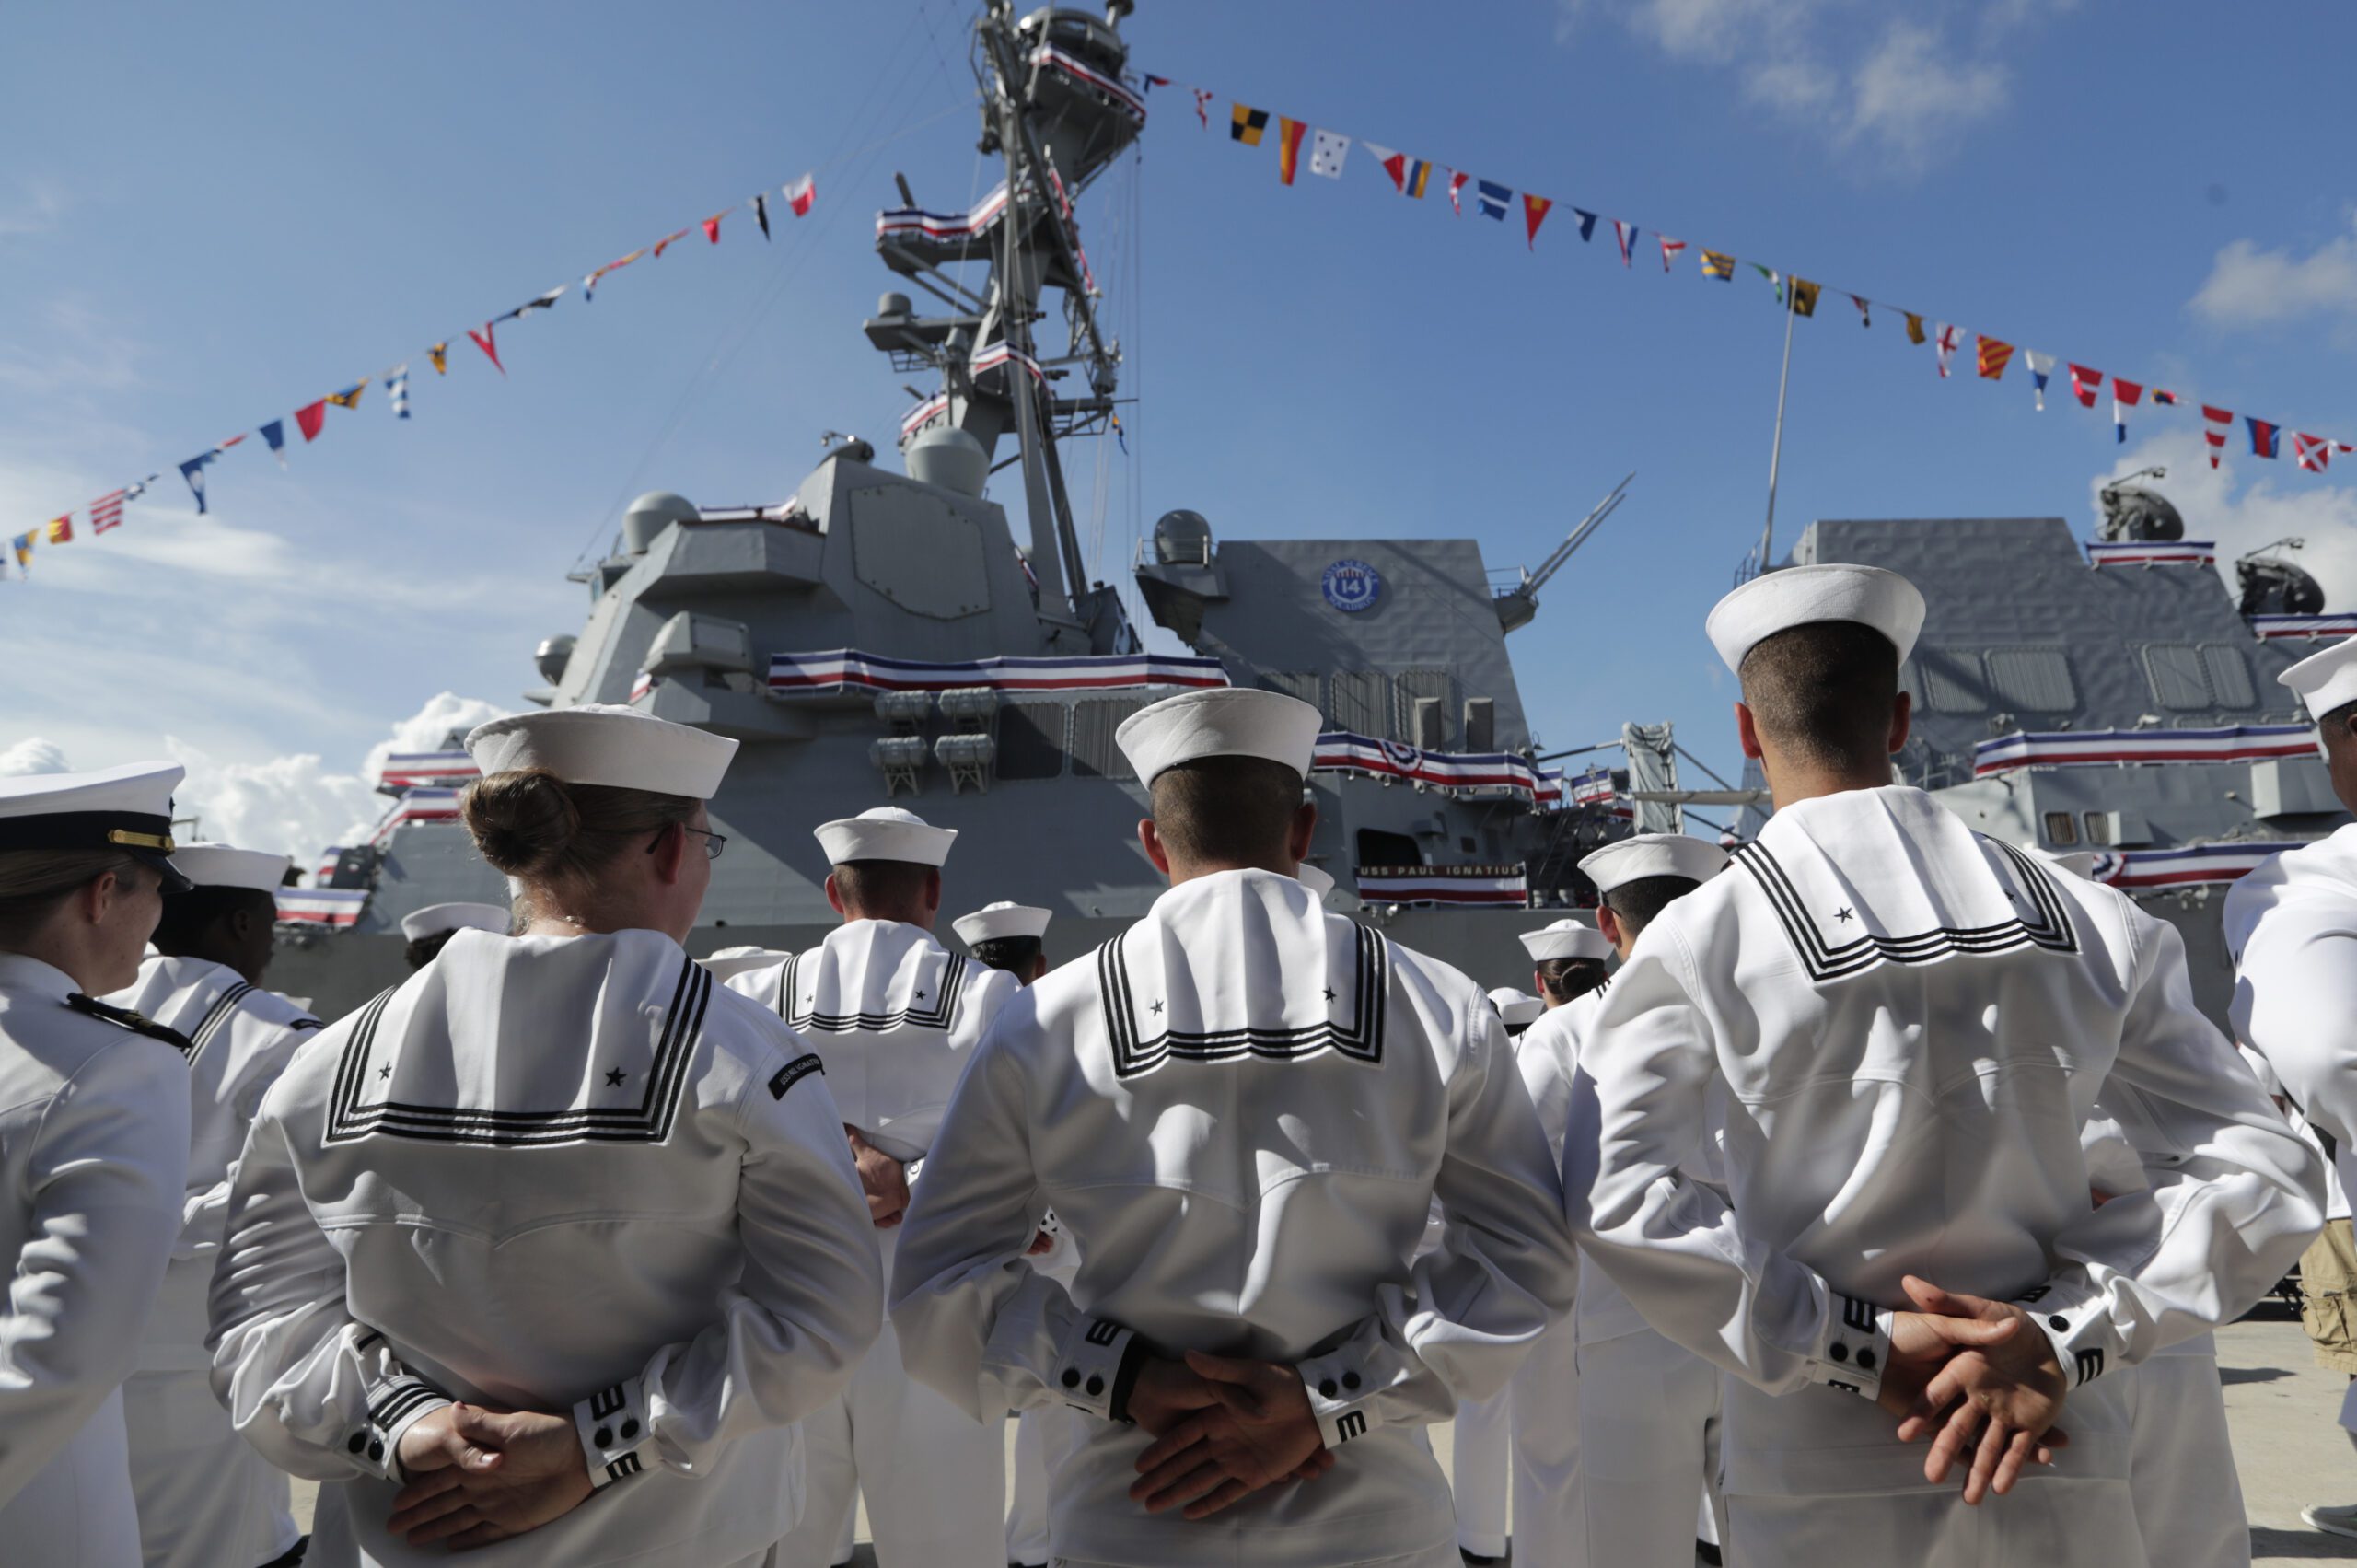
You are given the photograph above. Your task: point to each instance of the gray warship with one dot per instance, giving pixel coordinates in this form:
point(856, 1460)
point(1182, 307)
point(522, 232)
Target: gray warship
point(2112, 699)
point(883, 637)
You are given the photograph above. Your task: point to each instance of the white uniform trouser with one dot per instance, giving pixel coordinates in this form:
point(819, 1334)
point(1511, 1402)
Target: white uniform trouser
point(1545, 1392)
point(2181, 1467)
point(1648, 1417)
point(1481, 1472)
point(1044, 1439)
point(934, 1478)
point(207, 1499)
point(77, 1513)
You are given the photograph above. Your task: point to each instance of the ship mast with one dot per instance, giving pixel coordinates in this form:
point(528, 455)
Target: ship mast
point(1057, 113)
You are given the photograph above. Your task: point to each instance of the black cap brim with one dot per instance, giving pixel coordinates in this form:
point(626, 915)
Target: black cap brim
point(175, 879)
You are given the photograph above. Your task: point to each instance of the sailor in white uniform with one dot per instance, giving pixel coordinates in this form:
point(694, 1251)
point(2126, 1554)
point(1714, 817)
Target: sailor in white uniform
point(2291, 925)
point(1897, 1028)
point(895, 1015)
point(563, 1177)
point(94, 1137)
point(1648, 1413)
point(1011, 936)
point(1241, 1109)
point(725, 964)
point(1542, 1400)
point(206, 1498)
point(428, 930)
point(1517, 1009)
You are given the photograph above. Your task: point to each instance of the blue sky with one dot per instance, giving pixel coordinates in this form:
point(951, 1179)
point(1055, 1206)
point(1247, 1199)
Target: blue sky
point(239, 208)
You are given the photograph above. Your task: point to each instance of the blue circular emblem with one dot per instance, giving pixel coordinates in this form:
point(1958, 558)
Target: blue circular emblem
point(1351, 586)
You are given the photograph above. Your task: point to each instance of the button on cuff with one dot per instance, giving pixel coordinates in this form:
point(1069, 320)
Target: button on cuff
point(613, 1424)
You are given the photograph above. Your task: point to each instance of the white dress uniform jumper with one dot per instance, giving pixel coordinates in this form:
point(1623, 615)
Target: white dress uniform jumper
point(1880, 1011)
point(551, 1173)
point(94, 1118)
point(895, 1017)
point(207, 1499)
point(1242, 1109)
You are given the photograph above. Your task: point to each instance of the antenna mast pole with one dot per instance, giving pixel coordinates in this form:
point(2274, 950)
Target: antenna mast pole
point(1776, 451)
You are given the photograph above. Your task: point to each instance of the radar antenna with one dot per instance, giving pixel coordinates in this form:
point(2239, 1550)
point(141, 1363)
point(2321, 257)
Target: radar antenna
point(1518, 604)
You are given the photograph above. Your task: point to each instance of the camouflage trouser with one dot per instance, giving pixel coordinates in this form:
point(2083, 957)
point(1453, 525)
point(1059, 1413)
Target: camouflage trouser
point(2329, 1298)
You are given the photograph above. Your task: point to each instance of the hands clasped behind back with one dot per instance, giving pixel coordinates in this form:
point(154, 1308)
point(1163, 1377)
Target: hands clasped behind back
point(1225, 1428)
point(479, 1476)
point(1962, 1366)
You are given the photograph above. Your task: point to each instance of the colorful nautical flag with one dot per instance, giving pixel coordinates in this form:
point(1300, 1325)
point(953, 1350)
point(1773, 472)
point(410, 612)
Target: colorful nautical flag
point(350, 396)
point(1804, 295)
point(2266, 439)
point(2219, 423)
point(1202, 106)
point(276, 434)
point(1457, 180)
point(537, 302)
point(2085, 384)
point(668, 240)
point(2313, 452)
point(23, 545)
point(487, 342)
point(712, 228)
point(310, 417)
point(60, 529)
point(106, 512)
point(1994, 356)
point(1914, 327)
point(231, 441)
point(1669, 249)
point(1327, 151)
point(1626, 233)
point(760, 206)
point(1248, 124)
point(2163, 397)
point(1945, 339)
point(1289, 135)
point(1420, 174)
point(1492, 199)
point(396, 388)
point(1409, 175)
point(1534, 213)
point(2124, 395)
point(2041, 366)
point(1865, 314)
point(1718, 264)
point(799, 193)
point(192, 471)
point(1587, 221)
point(440, 357)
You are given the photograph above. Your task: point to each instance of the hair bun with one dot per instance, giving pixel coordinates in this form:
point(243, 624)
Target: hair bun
point(523, 821)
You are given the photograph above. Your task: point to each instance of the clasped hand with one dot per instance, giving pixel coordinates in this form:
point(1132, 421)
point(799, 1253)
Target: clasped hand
point(1224, 1428)
point(1963, 1364)
point(479, 1476)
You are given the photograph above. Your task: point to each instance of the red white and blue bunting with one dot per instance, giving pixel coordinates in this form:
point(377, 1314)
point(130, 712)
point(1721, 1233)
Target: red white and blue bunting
point(412, 770)
point(1503, 886)
point(2124, 748)
point(2187, 865)
point(1340, 751)
point(849, 670)
point(2152, 552)
point(2270, 627)
point(337, 907)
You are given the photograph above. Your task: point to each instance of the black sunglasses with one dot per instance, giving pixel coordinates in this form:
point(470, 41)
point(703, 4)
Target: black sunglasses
point(713, 842)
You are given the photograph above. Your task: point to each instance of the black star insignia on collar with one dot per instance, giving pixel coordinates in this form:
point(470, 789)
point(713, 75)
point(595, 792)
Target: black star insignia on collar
point(385, 1070)
point(1843, 914)
point(1330, 993)
point(919, 995)
point(614, 1077)
point(1158, 1005)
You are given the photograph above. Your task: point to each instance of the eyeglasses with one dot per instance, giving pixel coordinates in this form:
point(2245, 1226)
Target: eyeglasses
point(713, 842)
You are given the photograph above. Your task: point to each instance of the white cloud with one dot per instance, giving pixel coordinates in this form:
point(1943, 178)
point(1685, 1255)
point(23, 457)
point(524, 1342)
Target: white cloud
point(1897, 96)
point(2243, 512)
point(33, 755)
point(296, 804)
point(2249, 286)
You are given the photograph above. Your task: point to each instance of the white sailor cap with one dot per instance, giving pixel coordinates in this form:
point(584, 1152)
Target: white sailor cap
point(1566, 939)
point(731, 961)
point(1802, 596)
point(1316, 878)
point(1227, 721)
point(2325, 680)
point(991, 921)
point(436, 918)
point(2080, 863)
point(1652, 854)
point(128, 808)
point(226, 865)
point(598, 743)
point(885, 832)
point(1518, 1008)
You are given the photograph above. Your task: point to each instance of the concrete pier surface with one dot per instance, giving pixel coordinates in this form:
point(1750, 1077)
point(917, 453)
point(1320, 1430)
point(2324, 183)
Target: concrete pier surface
point(2288, 1443)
